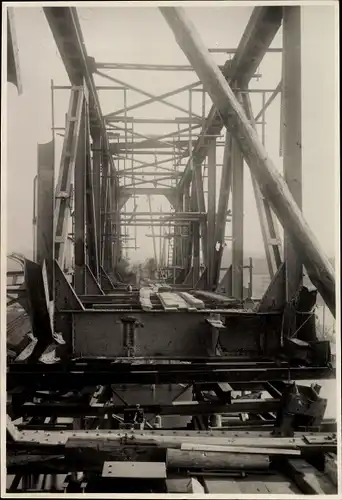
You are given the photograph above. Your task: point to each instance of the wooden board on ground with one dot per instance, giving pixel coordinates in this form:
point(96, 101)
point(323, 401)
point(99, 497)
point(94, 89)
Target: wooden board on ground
point(239, 449)
point(145, 299)
point(182, 304)
point(169, 301)
point(330, 467)
point(183, 459)
point(251, 484)
point(143, 470)
point(308, 479)
point(184, 485)
point(192, 301)
point(221, 485)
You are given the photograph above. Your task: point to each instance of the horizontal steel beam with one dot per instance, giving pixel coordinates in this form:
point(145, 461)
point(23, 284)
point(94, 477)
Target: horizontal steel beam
point(131, 119)
point(57, 376)
point(150, 152)
point(233, 51)
point(150, 143)
point(128, 173)
point(147, 223)
point(144, 67)
point(162, 214)
point(98, 87)
point(146, 191)
point(65, 409)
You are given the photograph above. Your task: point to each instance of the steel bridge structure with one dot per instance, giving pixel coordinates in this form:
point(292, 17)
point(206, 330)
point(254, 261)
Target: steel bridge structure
point(187, 385)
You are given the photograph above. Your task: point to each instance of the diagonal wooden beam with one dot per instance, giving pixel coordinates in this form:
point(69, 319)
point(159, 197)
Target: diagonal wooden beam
point(271, 182)
point(257, 37)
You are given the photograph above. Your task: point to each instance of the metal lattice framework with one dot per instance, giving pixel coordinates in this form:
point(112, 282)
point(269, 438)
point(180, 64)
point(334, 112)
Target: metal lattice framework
point(108, 368)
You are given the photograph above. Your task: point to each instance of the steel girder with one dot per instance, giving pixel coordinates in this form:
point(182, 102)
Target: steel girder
point(65, 27)
point(58, 376)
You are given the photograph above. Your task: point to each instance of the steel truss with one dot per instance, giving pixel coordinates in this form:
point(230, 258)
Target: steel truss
point(108, 368)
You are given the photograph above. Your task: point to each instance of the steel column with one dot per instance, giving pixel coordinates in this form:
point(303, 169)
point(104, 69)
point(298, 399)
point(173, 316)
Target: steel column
point(104, 209)
point(237, 221)
point(196, 251)
point(292, 135)
point(91, 244)
point(97, 160)
point(198, 179)
point(226, 178)
point(45, 210)
point(80, 201)
point(211, 219)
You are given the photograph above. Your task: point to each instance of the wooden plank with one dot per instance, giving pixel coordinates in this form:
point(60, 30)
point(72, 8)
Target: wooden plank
point(239, 449)
point(176, 458)
point(252, 485)
point(167, 438)
point(217, 297)
point(179, 485)
point(168, 301)
point(184, 485)
point(278, 484)
point(308, 479)
point(145, 299)
point(330, 467)
point(221, 485)
point(144, 470)
point(192, 301)
point(182, 304)
point(172, 301)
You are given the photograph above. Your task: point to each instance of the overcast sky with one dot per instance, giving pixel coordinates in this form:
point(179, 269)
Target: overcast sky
point(140, 34)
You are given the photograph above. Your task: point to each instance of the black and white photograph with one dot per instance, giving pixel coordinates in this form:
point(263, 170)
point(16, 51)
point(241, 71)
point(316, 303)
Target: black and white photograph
point(170, 250)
